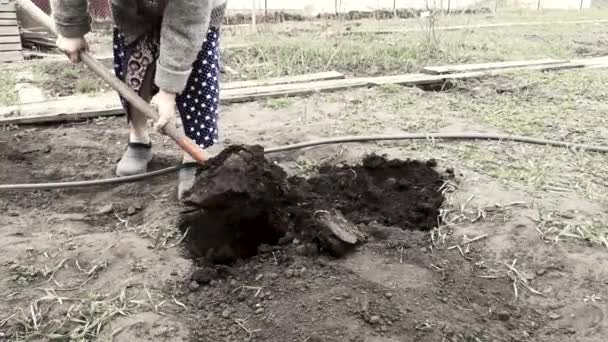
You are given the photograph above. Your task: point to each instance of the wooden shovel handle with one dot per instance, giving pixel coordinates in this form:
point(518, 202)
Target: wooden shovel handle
point(135, 100)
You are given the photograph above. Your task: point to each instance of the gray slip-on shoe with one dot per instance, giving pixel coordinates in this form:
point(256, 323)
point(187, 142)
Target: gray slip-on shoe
point(135, 160)
point(185, 178)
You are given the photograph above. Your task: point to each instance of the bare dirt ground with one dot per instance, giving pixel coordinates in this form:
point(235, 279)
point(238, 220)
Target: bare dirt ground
point(518, 252)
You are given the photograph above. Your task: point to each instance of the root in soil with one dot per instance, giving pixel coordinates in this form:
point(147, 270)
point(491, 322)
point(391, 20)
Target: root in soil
point(241, 201)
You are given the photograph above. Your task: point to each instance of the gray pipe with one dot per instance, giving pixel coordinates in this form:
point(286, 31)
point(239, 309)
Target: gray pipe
point(328, 141)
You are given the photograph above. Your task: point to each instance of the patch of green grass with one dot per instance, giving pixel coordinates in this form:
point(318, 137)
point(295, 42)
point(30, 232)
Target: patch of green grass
point(391, 89)
point(279, 103)
point(70, 72)
point(8, 96)
point(87, 85)
point(306, 166)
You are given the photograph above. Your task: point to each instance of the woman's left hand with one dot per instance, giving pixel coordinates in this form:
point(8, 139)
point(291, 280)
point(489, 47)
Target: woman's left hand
point(165, 105)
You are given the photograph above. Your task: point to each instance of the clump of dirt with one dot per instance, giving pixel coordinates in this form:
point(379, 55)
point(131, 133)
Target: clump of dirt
point(240, 198)
point(242, 201)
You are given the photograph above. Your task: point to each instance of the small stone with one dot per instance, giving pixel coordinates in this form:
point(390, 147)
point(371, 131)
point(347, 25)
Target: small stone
point(312, 249)
point(226, 313)
point(289, 273)
point(204, 275)
point(571, 331)
point(384, 328)
point(106, 209)
point(193, 286)
point(241, 296)
point(388, 295)
point(503, 316)
point(131, 210)
point(443, 299)
point(137, 206)
point(273, 276)
point(374, 319)
point(541, 271)
point(259, 311)
point(301, 250)
point(296, 241)
point(264, 248)
point(174, 273)
point(322, 262)
point(554, 315)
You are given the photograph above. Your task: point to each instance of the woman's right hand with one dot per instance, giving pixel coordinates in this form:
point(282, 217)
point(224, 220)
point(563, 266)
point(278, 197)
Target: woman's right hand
point(72, 47)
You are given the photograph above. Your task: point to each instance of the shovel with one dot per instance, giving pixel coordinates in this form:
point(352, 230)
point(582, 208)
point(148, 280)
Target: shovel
point(184, 142)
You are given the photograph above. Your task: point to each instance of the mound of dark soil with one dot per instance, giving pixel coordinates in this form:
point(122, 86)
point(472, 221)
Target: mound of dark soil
point(241, 201)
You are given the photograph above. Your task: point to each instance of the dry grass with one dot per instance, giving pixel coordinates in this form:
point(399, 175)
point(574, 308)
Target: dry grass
point(8, 96)
point(286, 52)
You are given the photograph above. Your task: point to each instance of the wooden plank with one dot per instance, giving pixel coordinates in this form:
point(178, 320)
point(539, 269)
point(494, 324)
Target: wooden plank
point(10, 39)
point(8, 15)
point(9, 31)
point(10, 47)
point(592, 61)
point(551, 67)
point(330, 75)
point(61, 117)
point(596, 66)
point(8, 22)
point(451, 69)
point(11, 56)
point(108, 105)
point(7, 8)
point(295, 89)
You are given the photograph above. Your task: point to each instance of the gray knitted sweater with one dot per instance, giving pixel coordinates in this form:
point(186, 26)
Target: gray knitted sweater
point(183, 25)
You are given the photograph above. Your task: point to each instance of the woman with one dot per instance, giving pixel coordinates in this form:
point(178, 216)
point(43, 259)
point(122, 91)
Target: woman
point(168, 52)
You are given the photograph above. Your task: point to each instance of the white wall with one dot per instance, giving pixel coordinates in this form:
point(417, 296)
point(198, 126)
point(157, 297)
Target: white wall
point(312, 7)
point(328, 6)
point(549, 4)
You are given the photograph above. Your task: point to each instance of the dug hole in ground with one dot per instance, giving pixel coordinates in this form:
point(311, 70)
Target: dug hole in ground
point(423, 250)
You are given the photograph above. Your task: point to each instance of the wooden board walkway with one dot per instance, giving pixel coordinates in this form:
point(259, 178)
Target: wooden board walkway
point(320, 76)
point(451, 69)
point(10, 41)
point(80, 107)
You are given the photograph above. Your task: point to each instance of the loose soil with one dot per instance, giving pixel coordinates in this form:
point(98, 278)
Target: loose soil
point(113, 254)
point(244, 201)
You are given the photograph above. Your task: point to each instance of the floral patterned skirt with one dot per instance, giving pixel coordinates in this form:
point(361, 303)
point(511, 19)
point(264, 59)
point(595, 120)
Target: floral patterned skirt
point(198, 104)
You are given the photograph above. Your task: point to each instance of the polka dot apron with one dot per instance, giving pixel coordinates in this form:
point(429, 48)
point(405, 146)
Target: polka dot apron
point(198, 104)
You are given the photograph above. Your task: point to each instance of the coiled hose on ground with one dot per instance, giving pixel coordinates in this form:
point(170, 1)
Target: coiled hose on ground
point(328, 141)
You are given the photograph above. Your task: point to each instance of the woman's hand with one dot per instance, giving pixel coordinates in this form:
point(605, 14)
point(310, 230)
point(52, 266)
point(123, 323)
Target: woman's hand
point(165, 105)
point(72, 47)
